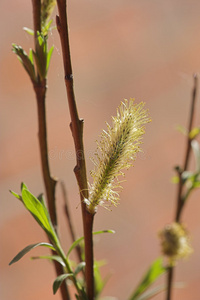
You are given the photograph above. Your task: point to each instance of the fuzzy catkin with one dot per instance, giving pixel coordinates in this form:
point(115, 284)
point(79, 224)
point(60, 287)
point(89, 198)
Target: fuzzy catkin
point(116, 151)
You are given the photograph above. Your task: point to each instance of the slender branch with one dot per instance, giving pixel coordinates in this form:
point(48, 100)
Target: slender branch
point(49, 181)
point(70, 225)
point(77, 132)
point(190, 124)
point(170, 274)
point(180, 198)
point(36, 17)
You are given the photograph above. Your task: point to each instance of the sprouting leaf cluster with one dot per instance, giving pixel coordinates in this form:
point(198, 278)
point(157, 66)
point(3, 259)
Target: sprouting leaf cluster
point(37, 62)
point(190, 179)
point(71, 270)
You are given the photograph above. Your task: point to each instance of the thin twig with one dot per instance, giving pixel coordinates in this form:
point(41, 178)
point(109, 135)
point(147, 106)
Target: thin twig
point(180, 200)
point(77, 132)
point(70, 225)
point(49, 181)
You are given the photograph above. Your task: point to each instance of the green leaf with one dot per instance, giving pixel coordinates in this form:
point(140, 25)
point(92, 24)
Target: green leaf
point(155, 270)
point(29, 248)
point(31, 55)
point(175, 179)
point(28, 30)
point(196, 150)
point(79, 268)
point(194, 132)
point(152, 293)
point(196, 184)
point(82, 238)
point(39, 212)
point(59, 280)
point(187, 175)
point(23, 186)
point(50, 257)
point(99, 281)
point(16, 195)
point(49, 58)
point(25, 61)
point(46, 28)
point(38, 64)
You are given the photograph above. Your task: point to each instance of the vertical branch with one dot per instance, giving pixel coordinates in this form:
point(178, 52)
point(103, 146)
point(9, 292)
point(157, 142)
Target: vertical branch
point(70, 225)
point(77, 132)
point(180, 200)
point(49, 181)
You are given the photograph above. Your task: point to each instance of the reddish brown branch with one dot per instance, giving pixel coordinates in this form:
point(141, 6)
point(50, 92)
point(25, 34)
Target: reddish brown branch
point(180, 198)
point(70, 225)
point(49, 181)
point(77, 132)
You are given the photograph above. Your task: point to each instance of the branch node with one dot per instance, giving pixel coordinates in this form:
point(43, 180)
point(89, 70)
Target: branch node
point(69, 77)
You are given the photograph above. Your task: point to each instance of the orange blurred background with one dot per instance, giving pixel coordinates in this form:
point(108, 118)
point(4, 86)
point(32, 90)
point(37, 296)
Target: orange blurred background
point(147, 50)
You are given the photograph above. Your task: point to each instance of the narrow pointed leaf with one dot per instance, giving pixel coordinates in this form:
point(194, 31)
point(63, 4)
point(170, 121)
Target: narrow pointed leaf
point(29, 248)
point(38, 211)
point(155, 270)
point(50, 257)
point(194, 132)
point(79, 268)
point(59, 280)
point(152, 293)
point(31, 55)
point(82, 238)
point(28, 30)
point(196, 150)
point(16, 195)
point(49, 58)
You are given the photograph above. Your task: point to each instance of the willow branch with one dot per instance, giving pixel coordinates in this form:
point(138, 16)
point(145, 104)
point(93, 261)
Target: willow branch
point(180, 200)
point(49, 181)
point(70, 225)
point(77, 132)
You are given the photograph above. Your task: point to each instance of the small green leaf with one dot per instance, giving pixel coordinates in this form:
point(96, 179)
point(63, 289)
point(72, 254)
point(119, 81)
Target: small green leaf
point(187, 175)
point(29, 248)
point(196, 150)
point(16, 195)
point(79, 268)
point(196, 184)
point(155, 270)
point(194, 132)
point(59, 280)
point(49, 58)
point(152, 293)
point(28, 30)
point(50, 257)
point(31, 55)
point(175, 179)
point(99, 281)
point(39, 212)
point(23, 186)
point(25, 61)
point(82, 238)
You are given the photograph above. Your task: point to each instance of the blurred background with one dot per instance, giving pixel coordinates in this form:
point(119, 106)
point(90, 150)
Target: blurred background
point(147, 50)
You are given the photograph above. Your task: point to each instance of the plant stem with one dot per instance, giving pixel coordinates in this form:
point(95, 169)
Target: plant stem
point(77, 132)
point(180, 198)
point(70, 225)
point(49, 181)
